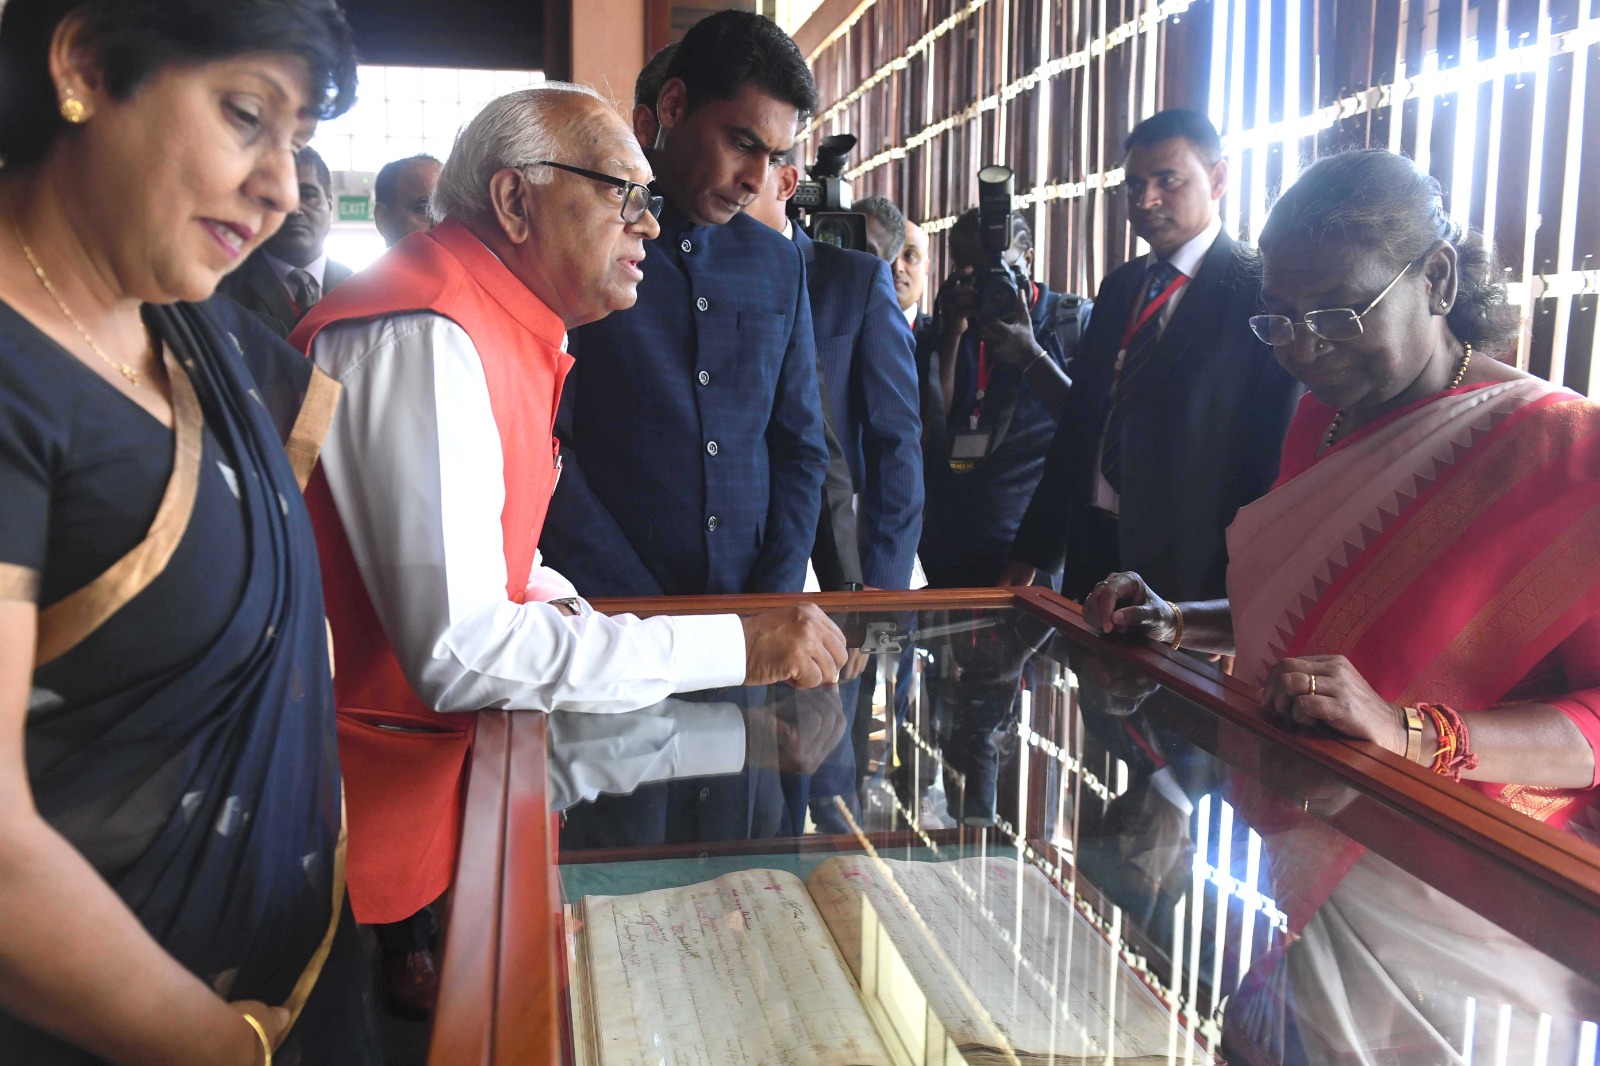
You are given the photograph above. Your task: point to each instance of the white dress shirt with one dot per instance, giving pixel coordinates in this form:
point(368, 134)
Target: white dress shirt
point(414, 463)
point(1187, 259)
point(316, 268)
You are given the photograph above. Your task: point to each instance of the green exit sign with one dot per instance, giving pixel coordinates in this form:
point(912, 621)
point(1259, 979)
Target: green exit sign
point(355, 209)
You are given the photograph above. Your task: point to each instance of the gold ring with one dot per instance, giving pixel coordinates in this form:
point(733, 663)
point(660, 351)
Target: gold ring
point(1313, 691)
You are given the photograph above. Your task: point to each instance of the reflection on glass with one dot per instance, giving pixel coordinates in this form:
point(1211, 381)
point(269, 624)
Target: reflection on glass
point(869, 960)
point(1038, 855)
point(599, 754)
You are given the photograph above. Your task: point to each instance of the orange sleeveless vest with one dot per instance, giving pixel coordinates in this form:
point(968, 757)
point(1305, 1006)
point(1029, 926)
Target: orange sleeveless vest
point(405, 765)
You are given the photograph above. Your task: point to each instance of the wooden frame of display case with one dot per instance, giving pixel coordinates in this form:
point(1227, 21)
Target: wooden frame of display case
point(498, 996)
point(502, 1001)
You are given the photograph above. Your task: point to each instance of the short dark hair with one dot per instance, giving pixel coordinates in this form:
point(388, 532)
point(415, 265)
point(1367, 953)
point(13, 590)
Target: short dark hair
point(135, 38)
point(888, 215)
point(1383, 200)
point(308, 156)
point(723, 52)
point(384, 186)
point(648, 85)
point(1192, 126)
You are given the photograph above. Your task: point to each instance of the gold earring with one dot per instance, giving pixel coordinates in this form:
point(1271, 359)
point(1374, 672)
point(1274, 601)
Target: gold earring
point(73, 111)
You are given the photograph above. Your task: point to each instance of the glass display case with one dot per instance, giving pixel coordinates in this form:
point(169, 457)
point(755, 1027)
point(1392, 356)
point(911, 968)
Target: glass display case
point(1006, 840)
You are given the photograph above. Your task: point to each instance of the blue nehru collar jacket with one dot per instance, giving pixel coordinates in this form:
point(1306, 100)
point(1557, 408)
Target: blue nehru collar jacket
point(691, 426)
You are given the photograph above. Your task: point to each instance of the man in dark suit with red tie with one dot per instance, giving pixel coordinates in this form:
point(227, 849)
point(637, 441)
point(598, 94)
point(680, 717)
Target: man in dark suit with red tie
point(286, 276)
point(1178, 412)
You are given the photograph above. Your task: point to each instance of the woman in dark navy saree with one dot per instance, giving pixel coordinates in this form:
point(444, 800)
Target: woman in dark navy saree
point(171, 856)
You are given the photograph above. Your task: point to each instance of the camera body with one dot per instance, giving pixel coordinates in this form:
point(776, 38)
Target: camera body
point(997, 284)
point(825, 197)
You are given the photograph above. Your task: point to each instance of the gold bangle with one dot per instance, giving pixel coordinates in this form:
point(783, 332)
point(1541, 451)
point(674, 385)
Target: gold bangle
point(266, 1045)
point(1177, 618)
point(1413, 733)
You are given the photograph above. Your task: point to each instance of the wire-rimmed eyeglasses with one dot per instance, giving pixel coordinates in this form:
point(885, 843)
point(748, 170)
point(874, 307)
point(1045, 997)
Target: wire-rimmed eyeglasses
point(1334, 324)
point(636, 199)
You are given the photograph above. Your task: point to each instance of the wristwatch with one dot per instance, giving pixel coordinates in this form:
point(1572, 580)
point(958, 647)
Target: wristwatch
point(576, 604)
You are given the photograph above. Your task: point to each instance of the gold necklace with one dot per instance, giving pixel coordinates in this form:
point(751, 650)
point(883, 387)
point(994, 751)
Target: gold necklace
point(1338, 418)
point(122, 368)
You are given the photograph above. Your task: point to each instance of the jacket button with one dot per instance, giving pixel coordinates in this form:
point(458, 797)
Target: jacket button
point(703, 378)
point(711, 447)
point(705, 794)
point(686, 246)
point(711, 524)
point(703, 304)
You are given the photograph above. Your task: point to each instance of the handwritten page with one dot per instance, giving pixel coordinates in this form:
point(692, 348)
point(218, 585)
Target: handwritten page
point(736, 970)
point(1004, 959)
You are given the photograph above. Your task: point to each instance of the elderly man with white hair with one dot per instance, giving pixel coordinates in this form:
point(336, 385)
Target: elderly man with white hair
point(437, 473)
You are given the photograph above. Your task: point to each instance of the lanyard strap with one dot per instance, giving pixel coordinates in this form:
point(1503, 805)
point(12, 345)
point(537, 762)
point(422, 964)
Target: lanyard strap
point(985, 371)
point(1137, 322)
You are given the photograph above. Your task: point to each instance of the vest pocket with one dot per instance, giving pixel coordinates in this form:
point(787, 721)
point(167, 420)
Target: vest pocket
point(762, 322)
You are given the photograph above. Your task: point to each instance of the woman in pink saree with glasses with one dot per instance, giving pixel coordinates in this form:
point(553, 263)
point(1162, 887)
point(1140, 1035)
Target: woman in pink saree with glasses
point(1425, 574)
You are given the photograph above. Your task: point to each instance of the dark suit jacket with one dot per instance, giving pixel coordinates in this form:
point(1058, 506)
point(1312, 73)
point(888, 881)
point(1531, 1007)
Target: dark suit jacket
point(1203, 443)
point(835, 555)
point(690, 425)
point(923, 323)
point(869, 376)
point(256, 287)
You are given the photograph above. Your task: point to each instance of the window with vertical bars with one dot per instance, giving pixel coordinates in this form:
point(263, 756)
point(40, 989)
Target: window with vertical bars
point(406, 111)
point(402, 112)
point(1491, 96)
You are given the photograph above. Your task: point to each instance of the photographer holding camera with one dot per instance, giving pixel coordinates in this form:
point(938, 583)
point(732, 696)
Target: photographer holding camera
point(994, 381)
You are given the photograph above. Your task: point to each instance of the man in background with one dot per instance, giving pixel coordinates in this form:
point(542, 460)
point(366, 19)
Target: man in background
point(864, 358)
point(886, 226)
point(911, 276)
point(402, 194)
point(1178, 412)
point(993, 389)
point(286, 276)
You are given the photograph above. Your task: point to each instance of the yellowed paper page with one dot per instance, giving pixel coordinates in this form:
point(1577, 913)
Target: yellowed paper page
point(578, 990)
point(736, 970)
point(1003, 957)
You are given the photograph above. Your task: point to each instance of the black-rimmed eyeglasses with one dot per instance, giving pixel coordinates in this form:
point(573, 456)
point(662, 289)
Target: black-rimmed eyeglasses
point(636, 198)
point(1334, 324)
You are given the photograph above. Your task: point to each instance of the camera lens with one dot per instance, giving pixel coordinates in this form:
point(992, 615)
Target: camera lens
point(996, 293)
point(832, 231)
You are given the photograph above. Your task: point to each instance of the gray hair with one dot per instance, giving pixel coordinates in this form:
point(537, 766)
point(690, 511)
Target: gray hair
point(512, 130)
point(1378, 200)
point(890, 217)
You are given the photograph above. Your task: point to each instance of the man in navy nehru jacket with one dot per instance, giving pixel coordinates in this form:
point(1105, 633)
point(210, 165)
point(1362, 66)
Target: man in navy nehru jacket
point(691, 426)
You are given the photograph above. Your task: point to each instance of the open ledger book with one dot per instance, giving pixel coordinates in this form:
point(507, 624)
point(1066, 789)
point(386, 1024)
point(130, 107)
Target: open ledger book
point(873, 962)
